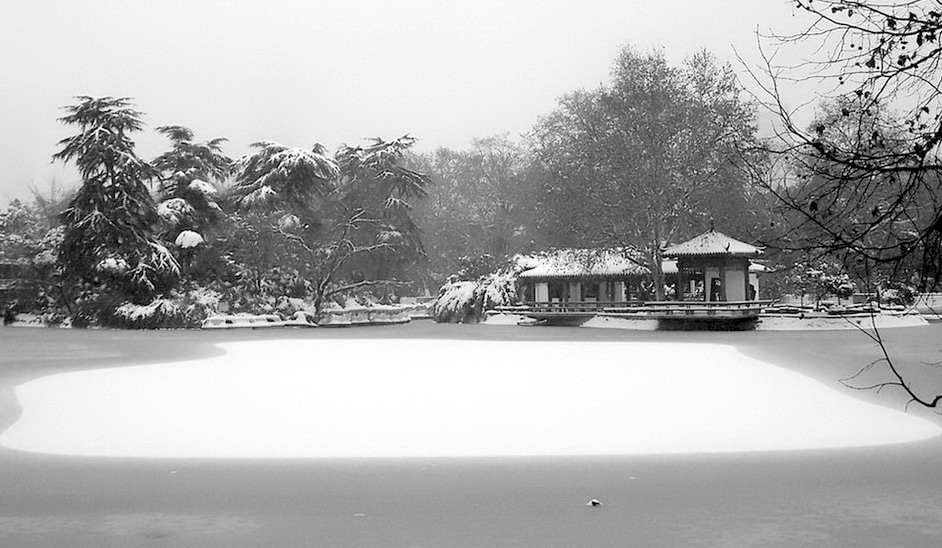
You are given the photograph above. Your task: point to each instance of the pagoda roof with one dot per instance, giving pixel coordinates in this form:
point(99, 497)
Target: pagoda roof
point(712, 242)
point(583, 263)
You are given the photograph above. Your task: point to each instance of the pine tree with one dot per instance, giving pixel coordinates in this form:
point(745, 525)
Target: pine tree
point(109, 236)
point(188, 198)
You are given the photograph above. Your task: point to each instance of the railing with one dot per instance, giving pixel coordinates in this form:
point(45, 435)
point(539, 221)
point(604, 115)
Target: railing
point(570, 306)
point(658, 309)
point(705, 305)
point(689, 309)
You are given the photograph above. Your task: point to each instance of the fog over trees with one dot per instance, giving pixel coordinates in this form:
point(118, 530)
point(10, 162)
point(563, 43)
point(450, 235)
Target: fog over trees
point(861, 183)
point(650, 157)
point(862, 180)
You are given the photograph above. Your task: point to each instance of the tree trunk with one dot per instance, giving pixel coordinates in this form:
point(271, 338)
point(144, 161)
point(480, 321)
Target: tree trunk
point(657, 273)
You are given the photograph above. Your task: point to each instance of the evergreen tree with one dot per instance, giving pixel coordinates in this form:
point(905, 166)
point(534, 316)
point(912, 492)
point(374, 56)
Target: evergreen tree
point(374, 180)
point(280, 178)
point(109, 226)
point(188, 198)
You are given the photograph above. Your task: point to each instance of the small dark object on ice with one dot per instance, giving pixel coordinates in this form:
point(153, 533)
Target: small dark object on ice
point(594, 502)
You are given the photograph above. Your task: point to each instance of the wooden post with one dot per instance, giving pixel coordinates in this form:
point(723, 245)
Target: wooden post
point(746, 275)
point(723, 280)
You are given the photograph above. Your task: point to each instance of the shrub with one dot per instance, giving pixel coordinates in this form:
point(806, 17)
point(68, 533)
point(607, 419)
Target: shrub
point(182, 310)
point(897, 294)
point(466, 301)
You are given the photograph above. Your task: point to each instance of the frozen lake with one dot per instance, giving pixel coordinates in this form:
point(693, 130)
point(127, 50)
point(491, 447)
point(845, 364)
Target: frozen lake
point(876, 496)
point(342, 398)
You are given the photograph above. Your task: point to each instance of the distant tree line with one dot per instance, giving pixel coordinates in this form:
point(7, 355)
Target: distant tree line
point(861, 183)
point(647, 159)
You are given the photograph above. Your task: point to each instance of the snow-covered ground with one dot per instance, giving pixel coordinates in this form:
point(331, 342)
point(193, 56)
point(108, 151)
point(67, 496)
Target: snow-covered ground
point(505, 319)
point(886, 320)
point(430, 398)
point(609, 322)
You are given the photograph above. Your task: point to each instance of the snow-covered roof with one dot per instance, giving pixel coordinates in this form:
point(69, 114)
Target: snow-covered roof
point(583, 263)
point(712, 242)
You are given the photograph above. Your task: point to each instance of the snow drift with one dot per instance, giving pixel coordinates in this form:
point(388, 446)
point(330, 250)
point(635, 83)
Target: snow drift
point(445, 398)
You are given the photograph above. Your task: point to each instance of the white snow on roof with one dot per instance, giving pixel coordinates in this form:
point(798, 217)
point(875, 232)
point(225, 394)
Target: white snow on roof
point(581, 263)
point(712, 242)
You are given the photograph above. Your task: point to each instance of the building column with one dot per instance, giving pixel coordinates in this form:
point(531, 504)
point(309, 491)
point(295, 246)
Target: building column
point(746, 276)
point(722, 282)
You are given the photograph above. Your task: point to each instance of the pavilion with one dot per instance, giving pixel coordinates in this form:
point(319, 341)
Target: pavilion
point(719, 264)
point(583, 278)
point(716, 285)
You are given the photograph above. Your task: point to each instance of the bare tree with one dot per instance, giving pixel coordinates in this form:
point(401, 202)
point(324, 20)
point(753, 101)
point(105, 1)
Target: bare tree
point(863, 179)
point(864, 176)
point(647, 157)
point(898, 379)
point(328, 258)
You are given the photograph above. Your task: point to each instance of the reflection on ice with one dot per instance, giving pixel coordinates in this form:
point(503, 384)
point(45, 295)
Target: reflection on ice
point(429, 398)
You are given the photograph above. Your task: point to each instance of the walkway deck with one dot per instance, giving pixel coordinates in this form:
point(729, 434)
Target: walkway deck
point(678, 313)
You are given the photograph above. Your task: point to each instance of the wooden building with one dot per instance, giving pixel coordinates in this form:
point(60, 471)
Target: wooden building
point(582, 278)
point(716, 286)
point(694, 289)
point(714, 267)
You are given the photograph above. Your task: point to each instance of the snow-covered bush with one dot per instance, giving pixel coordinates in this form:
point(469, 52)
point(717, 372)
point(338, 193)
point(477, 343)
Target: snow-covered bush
point(466, 301)
point(179, 310)
point(188, 239)
point(289, 306)
point(92, 306)
point(897, 294)
point(203, 188)
point(156, 314)
point(456, 302)
point(112, 265)
point(821, 280)
point(174, 211)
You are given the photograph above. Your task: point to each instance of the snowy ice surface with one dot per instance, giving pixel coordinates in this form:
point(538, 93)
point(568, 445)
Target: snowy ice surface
point(608, 322)
point(447, 398)
point(865, 321)
point(505, 319)
point(780, 323)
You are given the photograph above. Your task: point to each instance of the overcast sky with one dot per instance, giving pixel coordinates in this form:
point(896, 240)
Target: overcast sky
point(306, 71)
